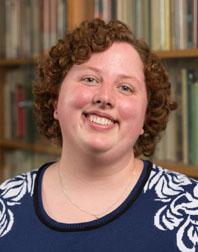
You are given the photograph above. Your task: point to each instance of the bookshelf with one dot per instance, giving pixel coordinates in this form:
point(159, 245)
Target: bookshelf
point(75, 12)
point(40, 147)
point(190, 170)
point(70, 13)
point(177, 54)
point(16, 62)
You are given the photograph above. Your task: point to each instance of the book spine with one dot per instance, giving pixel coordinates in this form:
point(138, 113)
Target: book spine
point(193, 118)
point(147, 20)
point(61, 18)
point(139, 19)
point(155, 24)
point(2, 29)
point(36, 27)
point(20, 111)
point(182, 27)
point(195, 24)
point(53, 22)
point(8, 38)
point(167, 25)
point(189, 20)
point(46, 25)
point(114, 9)
point(7, 105)
point(99, 8)
point(107, 10)
point(185, 135)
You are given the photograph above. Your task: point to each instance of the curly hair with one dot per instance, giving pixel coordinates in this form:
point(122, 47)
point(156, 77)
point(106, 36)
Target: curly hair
point(76, 48)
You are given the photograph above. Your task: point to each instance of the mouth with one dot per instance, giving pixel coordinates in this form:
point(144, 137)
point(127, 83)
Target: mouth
point(100, 119)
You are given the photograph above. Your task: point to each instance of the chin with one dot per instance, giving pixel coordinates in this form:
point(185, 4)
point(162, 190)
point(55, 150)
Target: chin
point(99, 146)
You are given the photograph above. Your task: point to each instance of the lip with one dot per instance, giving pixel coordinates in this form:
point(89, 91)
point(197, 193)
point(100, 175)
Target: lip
point(101, 114)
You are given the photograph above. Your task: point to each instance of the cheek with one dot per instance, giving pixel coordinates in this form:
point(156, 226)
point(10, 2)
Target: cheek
point(132, 110)
point(81, 98)
point(127, 110)
point(74, 99)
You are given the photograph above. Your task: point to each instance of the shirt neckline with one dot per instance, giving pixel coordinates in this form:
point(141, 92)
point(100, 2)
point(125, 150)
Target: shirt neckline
point(85, 226)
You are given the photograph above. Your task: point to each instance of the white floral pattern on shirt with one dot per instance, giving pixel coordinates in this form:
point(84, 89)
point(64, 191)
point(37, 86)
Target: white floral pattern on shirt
point(179, 208)
point(11, 193)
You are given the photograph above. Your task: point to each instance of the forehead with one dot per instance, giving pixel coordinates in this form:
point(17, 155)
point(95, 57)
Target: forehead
point(118, 51)
point(120, 59)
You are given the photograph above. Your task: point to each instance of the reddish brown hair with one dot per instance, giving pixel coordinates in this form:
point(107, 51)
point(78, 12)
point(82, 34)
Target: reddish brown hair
point(76, 48)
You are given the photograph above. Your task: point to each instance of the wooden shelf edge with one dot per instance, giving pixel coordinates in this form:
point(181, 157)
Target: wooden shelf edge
point(17, 62)
point(189, 170)
point(185, 53)
point(39, 147)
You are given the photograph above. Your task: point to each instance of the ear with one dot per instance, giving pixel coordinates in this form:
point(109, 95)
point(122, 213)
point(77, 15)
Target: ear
point(55, 111)
point(142, 131)
point(56, 114)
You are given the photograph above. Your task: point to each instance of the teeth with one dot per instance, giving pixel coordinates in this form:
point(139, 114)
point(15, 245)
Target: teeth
point(100, 120)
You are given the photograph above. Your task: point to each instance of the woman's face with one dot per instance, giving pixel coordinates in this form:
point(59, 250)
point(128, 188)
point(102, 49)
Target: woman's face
point(102, 102)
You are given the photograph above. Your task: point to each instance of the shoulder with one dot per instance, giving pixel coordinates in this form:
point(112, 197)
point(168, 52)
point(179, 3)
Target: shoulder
point(12, 192)
point(15, 188)
point(176, 199)
point(170, 181)
point(173, 187)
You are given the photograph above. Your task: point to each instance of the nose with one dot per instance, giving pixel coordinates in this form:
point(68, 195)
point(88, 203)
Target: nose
point(104, 97)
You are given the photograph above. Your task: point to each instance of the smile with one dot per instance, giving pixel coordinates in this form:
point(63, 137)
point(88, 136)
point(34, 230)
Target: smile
point(100, 120)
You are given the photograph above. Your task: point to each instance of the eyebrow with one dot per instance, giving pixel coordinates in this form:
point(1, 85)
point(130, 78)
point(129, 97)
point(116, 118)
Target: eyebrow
point(121, 76)
point(85, 67)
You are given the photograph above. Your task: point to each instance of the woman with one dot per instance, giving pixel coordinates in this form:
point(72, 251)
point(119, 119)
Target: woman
point(104, 97)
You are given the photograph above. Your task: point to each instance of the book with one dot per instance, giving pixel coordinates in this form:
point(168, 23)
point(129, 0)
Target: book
point(36, 7)
point(46, 25)
point(155, 24)
point(17, 162)
point(61, 18)
point(53, 22)
point(182, 27)
point(8, 30)
point(26, 32)
point(98, 8)
point(166, 41)
point(194, 23)
point(7, 104)
point(189, 18)
point(184, 113)
point(193, 116)
point(18, 119)
point(176, 85)
point(114, 9)
point(171, 140)
point(29, 28)
point(146, 15)
point(20, 96)
point(2, 29)
point(125, 11)
point(160, 152)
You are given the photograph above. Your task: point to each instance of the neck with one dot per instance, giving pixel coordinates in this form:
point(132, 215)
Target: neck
point(94, 184)
point(94, 164)
point(97, 171)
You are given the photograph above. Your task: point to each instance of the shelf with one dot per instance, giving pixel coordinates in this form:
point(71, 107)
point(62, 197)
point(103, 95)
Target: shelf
point(189, 170)
point(186, 53)
point(39, 147)
point(42, 147)
point(16, 62)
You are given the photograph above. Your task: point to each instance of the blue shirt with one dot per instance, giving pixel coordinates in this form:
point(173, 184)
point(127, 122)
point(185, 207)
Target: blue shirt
point(160, 214)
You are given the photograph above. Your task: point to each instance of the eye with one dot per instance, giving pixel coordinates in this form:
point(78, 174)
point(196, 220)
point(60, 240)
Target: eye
point(126, 89)
point(89, 80)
